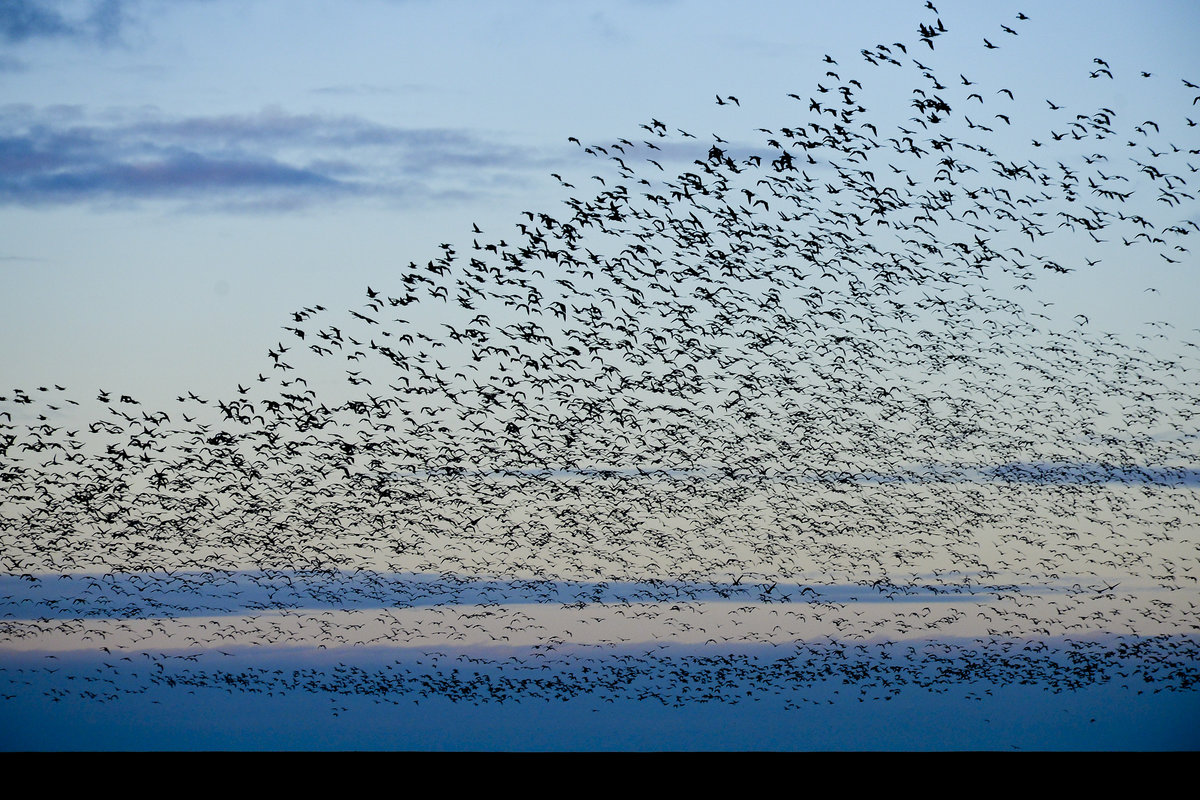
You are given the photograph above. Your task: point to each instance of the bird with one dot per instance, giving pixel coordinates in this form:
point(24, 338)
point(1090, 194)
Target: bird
point(813, 356)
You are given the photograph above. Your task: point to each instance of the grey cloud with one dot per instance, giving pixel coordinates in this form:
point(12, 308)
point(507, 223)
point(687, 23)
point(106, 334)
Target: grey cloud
point(167, 175)
point(1079, 473)
point(107, 19)
point(25, 20)
point(1083, 473)
point(267, 160)
point(130, 595)
point(28, 19)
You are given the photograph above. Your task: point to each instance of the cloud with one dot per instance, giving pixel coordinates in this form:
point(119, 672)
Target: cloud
point(272, 159)
point(1080, 473)
point(25, 20)
point(21, 20)
point(1083, 473)
point(143, 595)
point(106, 20)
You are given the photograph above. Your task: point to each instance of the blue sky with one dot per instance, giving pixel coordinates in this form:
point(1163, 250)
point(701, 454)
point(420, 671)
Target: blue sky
point(178, 177)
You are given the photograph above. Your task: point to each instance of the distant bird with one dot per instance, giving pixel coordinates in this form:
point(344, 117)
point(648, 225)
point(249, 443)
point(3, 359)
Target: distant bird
point(818, 350)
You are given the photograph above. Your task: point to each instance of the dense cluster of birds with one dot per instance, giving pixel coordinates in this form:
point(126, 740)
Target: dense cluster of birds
point(809, 363)
point(812, 673)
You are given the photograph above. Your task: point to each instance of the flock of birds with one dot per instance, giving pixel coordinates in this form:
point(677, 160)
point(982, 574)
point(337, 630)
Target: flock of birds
point(801, 374)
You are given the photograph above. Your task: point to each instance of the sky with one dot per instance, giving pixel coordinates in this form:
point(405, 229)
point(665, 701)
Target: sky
point(178, 179)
